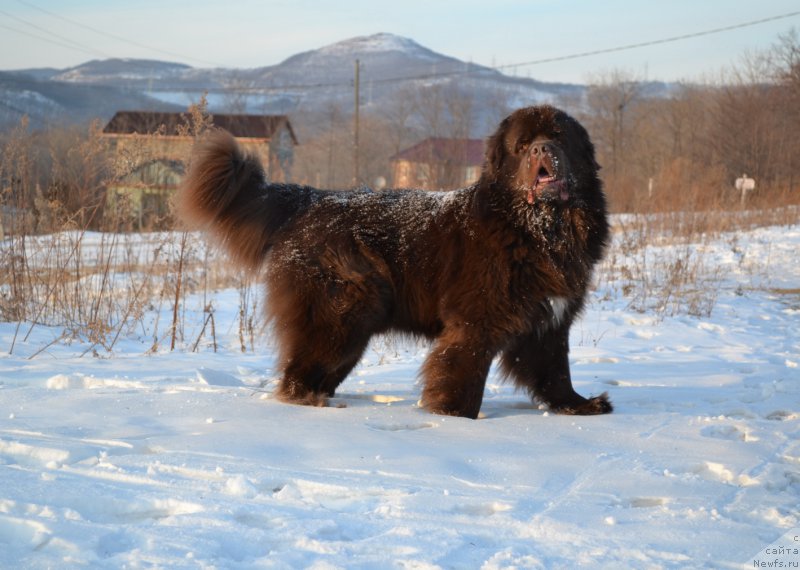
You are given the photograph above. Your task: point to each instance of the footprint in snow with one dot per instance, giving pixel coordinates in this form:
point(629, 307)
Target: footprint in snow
point(782, 415)
point(646, 502)
point(401, 426)
point(209, 377)
point(482, 509)
point(712, 471)
point(18, 453)
point(137, 511)
point(728, 432)
point(622, 383)
point(22, 534)
point(711, 327)
point(80, 381)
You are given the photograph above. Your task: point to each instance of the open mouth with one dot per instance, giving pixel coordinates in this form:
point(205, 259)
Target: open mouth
point(544, 177)
point(548, 183)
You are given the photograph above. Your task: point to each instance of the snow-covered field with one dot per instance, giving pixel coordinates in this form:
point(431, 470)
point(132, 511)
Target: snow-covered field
point(182, 460)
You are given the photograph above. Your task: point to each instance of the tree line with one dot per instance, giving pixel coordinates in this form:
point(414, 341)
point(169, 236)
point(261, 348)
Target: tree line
point(682, 150)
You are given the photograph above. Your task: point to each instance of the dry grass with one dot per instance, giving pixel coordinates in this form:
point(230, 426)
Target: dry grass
point(81, 269)
point(98, 286)
point(660, 261)
point(665, 264)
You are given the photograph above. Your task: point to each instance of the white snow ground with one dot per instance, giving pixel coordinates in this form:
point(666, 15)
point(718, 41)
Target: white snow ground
point(181, 460)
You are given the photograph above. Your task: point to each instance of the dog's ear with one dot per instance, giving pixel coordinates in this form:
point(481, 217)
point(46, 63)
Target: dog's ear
point(583, 141)
point(496, 150)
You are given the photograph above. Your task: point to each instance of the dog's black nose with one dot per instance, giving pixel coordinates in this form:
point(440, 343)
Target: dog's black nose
point(541, 148)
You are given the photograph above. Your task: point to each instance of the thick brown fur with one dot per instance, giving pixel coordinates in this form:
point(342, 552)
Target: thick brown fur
point(499, 268)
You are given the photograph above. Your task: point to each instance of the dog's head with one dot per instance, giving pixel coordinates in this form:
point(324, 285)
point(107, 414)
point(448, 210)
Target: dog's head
point(545, 156)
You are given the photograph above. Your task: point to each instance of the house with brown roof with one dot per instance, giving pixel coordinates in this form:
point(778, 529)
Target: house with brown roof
point(162, 137)
point(438, 164)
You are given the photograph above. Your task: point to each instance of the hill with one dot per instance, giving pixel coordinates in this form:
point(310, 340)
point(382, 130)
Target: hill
point(304, 82)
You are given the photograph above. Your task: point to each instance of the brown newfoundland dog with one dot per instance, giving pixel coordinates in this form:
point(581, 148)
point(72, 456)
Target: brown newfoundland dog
point(499, 268)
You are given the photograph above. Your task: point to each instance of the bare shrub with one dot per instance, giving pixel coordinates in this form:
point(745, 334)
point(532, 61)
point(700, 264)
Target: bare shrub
point(61, 267)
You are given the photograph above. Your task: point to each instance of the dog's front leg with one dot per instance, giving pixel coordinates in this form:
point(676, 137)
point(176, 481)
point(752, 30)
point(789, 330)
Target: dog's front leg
point(539, 363)
point(455, 373)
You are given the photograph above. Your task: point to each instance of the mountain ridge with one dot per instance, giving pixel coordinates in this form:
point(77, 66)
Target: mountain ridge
point(305, 81)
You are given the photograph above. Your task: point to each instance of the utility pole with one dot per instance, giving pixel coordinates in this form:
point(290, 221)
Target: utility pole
point(356, 175)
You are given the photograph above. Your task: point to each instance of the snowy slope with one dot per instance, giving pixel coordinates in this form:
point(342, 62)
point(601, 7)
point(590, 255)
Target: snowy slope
point(182, 459)
point(304, 82)
point(121, 71)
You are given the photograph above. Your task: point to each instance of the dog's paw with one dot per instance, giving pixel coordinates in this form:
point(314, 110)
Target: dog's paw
point(293, 395)
point(591, 407)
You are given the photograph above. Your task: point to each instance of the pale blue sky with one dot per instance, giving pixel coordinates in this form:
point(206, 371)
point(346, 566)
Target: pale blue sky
point(253, 33)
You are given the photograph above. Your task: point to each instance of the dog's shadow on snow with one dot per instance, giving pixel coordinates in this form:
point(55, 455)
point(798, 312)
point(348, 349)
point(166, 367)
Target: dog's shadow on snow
point(490, 410)
point(504, 409)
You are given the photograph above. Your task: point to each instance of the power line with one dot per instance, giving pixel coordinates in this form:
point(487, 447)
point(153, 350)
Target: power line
point(651, 42)
point(116, 37)
point(595, 52)
point(24, 33)
point(62, 41)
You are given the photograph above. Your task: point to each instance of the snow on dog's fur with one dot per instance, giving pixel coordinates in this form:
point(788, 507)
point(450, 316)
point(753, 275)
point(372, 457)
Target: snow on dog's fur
point(501, 267)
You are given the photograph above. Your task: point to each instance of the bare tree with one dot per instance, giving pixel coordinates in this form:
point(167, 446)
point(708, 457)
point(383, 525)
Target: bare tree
point(460, 105)
point(431, 109)
point(610, 98)
point(237, 89)
point(325, 157)
point(784, 67)
point(399, 114)
point(80, 169)
point(18, 169)
point(445, 111)
point(745, 124)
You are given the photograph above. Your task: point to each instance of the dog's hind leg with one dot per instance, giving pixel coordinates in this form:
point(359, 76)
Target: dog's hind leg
point(324, 314)
point(301, 383)
point(335, 377)
point(319, 348)
point(314, 370)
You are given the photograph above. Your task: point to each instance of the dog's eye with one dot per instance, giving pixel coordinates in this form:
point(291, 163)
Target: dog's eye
point(521, 147)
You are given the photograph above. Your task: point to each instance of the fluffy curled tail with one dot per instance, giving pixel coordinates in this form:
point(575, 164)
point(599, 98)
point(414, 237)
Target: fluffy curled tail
point(224, 192)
